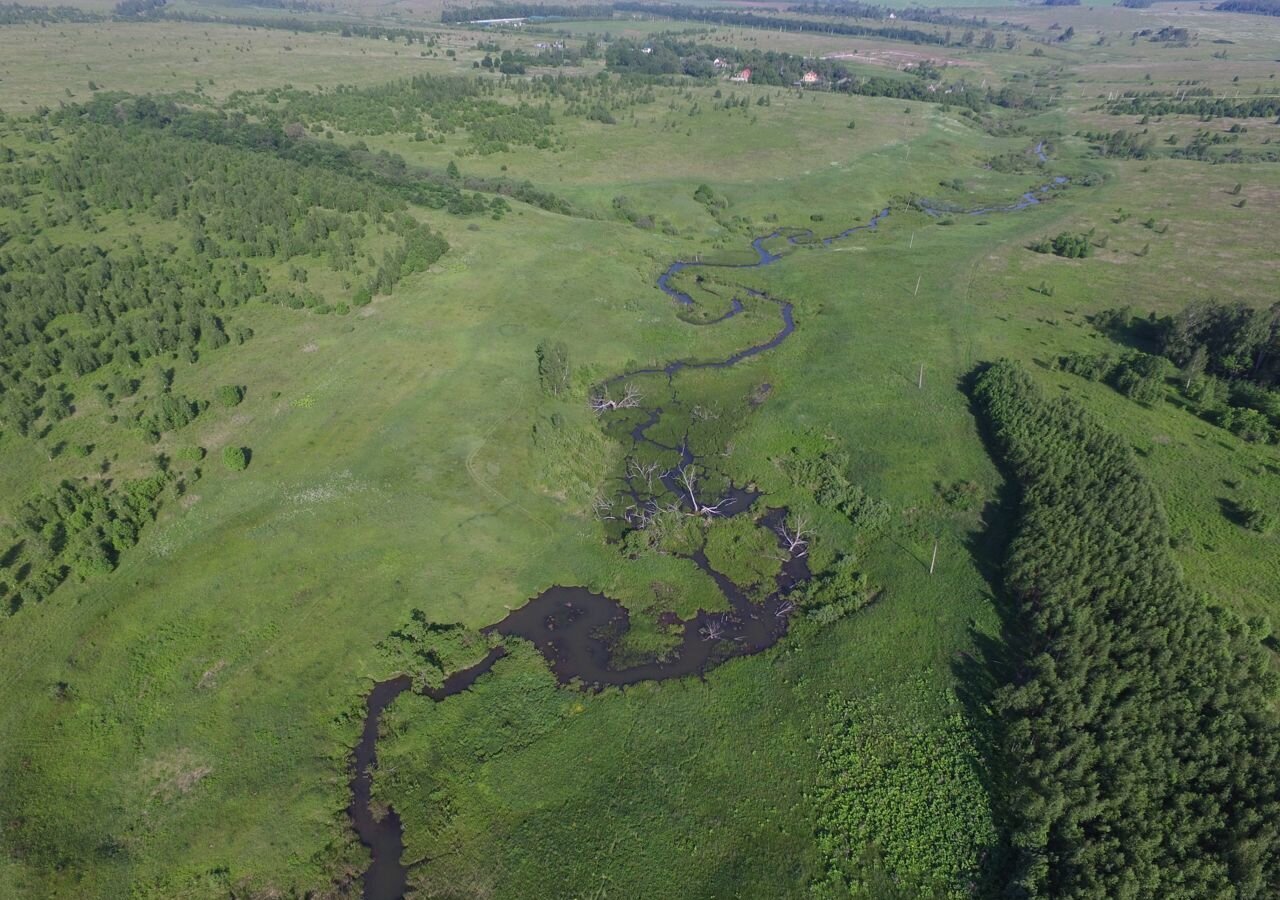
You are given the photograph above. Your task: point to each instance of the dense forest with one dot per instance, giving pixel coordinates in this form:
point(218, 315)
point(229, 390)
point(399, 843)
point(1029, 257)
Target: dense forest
point(1228, 361)
point(1231, 340)
point(1137, 721)
point(1222, 358)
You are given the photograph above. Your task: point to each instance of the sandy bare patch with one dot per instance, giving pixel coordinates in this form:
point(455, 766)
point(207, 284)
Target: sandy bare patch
point(898, 59)
point(310, 347)
point(175, 774)
point(210, 677)
point(220, 435)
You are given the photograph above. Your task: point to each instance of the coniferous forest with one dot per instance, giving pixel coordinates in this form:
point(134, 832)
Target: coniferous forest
point(1138, 719)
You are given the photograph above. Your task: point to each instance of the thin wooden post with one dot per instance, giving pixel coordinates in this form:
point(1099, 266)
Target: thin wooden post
point(913, 241)
point(920, 381)
point(933, 562)
point(916, 292)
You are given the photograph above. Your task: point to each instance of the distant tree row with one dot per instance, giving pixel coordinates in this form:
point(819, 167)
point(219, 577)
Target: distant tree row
point(157, 10)
point(1137, 726)
point(738, 19)
point(19, 14)
point(1257, 7)
point(451, 14)
point(1201, 106)
point(671, 56)
point(131, 9)
point(1121, 144)
point(856, 10)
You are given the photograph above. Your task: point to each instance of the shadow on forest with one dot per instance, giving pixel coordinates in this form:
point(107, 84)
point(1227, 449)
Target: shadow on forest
point(980, 674)
point(1143, 334)
point(1232, 512)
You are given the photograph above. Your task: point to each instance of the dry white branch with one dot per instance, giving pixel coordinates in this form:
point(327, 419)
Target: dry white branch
point(689, 479)
point(642, 471)
point(797, 538)
point(601, 402)
point(603, 507)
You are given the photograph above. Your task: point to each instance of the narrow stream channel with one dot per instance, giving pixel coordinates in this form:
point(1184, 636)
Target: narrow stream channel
point(575, 629)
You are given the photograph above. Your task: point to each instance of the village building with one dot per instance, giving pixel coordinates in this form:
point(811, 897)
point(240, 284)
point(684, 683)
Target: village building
point(744, 75)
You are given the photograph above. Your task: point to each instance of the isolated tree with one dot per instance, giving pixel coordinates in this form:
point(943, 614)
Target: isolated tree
point(1255, 515)
point(553, 367)
point(795, 534)
point(235, 458)
point(229, 395)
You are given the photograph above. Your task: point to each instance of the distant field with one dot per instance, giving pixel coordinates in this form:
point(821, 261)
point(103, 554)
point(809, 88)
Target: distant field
point(55, 64)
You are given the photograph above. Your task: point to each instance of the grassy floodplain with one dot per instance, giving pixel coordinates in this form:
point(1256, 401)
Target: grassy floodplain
point(180, 726)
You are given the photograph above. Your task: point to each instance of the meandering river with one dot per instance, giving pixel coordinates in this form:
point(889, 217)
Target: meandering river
point(569, 625)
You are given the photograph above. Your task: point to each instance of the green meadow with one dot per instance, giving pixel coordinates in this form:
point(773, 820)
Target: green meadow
point(181, 726)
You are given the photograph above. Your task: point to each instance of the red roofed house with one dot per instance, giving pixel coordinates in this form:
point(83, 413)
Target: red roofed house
point(744, 75)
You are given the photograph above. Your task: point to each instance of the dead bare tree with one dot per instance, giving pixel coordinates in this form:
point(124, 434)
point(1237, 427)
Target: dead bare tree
point(603, 507)
point(641, 516)
point(601, 402)
point(785, 609)
point(644, 471)
point(713, 630)
point(689, 478)
point(797, 537)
